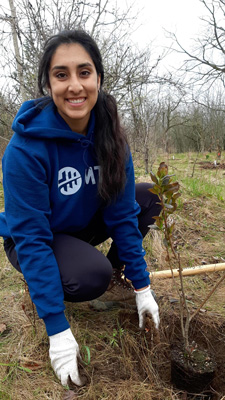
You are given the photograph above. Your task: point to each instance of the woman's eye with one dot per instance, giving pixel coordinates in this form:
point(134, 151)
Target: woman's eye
point(85, 73)
point(61, 75)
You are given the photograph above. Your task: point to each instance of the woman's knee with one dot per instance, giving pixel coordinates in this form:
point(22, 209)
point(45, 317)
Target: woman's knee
point(89, 285)
point(144, 197)
point(85, 271)
point(149, 204)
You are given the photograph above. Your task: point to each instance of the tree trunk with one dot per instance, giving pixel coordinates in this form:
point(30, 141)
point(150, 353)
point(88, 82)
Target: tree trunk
point(13, 23)
point(146, 160)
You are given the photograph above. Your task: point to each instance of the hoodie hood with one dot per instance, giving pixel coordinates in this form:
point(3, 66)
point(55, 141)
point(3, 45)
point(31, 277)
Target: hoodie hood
point(40, 119)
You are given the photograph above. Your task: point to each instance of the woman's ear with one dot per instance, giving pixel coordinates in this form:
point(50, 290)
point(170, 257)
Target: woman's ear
point(99, 82)
point(48, 87)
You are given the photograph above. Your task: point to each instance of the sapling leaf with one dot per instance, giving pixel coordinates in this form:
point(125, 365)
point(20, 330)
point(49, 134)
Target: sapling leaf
point(158, 219)
point(173, 187)
point(153, 177)
point(154, 191)
point(171, 228)
point(166, 179)
point(159, 222)
point(153, 227)
point(168, 176)
point(169, 206)
point(162, 170)
point(168, 194)
point(176, 196)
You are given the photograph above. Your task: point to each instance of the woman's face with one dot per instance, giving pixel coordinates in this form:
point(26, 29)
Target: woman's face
point(74, 85)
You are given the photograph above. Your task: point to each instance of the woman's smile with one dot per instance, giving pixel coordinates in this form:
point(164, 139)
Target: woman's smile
point(76, 101)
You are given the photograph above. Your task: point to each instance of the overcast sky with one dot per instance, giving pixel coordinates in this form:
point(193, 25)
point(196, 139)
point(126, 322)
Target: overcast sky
point(180, 15)
point(158, 16)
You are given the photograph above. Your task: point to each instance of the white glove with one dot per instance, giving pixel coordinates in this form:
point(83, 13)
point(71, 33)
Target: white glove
point(63, 353)
point(146, 304)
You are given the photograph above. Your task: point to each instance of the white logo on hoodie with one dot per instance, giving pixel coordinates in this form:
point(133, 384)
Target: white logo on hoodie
point(69, 180)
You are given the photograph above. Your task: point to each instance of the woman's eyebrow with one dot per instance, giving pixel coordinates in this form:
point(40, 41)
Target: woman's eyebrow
point(59, 67)
point(87, 64)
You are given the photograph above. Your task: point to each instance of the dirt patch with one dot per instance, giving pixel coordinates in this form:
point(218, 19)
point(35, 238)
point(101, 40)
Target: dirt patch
point(210, 165)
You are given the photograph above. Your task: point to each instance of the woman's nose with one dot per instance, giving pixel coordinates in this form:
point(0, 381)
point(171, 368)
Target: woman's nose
point(75, 85)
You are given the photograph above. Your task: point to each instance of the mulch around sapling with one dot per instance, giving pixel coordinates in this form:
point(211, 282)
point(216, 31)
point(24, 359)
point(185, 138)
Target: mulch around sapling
point(194, 371)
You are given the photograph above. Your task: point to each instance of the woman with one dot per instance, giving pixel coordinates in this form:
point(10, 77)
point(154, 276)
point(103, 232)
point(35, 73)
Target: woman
point(69, 185)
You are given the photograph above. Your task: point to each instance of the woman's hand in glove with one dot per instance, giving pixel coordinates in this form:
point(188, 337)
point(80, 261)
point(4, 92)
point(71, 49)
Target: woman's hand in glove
point(64, 353)
point(146, 305)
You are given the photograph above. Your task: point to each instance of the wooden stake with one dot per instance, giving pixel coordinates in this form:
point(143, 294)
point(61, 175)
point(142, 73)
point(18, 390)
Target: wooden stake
point(199, 269)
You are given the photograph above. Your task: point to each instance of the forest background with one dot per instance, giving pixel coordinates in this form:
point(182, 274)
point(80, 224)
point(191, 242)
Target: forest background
point(175, 109)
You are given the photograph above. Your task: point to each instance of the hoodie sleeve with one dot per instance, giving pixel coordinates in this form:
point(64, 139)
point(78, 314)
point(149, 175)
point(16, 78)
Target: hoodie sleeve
point(27, 209)
point(122, 223)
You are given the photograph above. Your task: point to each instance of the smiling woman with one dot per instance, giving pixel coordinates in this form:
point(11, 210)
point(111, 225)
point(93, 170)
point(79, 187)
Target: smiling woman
point(74, 85)
point(68, 186)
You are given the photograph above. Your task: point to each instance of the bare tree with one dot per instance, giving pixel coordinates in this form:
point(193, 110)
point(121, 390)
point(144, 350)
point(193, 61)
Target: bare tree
point(206, 61)
point(32, 22)
point(171, 105)
point(141, 122)
point(14, 26)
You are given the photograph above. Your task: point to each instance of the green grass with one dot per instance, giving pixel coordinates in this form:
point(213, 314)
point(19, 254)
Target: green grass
point(198, 187)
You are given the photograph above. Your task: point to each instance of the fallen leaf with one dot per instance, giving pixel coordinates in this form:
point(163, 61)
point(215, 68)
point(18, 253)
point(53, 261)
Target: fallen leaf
point(70, 395)
point(2, 328)
point(33, 365)
point(172, 300)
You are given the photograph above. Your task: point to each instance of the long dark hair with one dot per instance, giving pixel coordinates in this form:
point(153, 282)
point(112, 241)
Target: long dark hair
point(110, 140)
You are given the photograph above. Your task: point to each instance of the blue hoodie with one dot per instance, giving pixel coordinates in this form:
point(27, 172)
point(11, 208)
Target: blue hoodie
point(50, 176)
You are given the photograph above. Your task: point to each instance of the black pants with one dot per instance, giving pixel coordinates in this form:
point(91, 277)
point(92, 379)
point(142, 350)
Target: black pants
point(92, 277)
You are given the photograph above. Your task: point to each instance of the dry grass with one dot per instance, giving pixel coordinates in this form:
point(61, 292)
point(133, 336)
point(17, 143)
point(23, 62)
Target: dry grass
point(125, 364)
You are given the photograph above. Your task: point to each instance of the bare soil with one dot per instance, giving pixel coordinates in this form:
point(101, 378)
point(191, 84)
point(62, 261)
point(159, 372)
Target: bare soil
point(210, 165)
